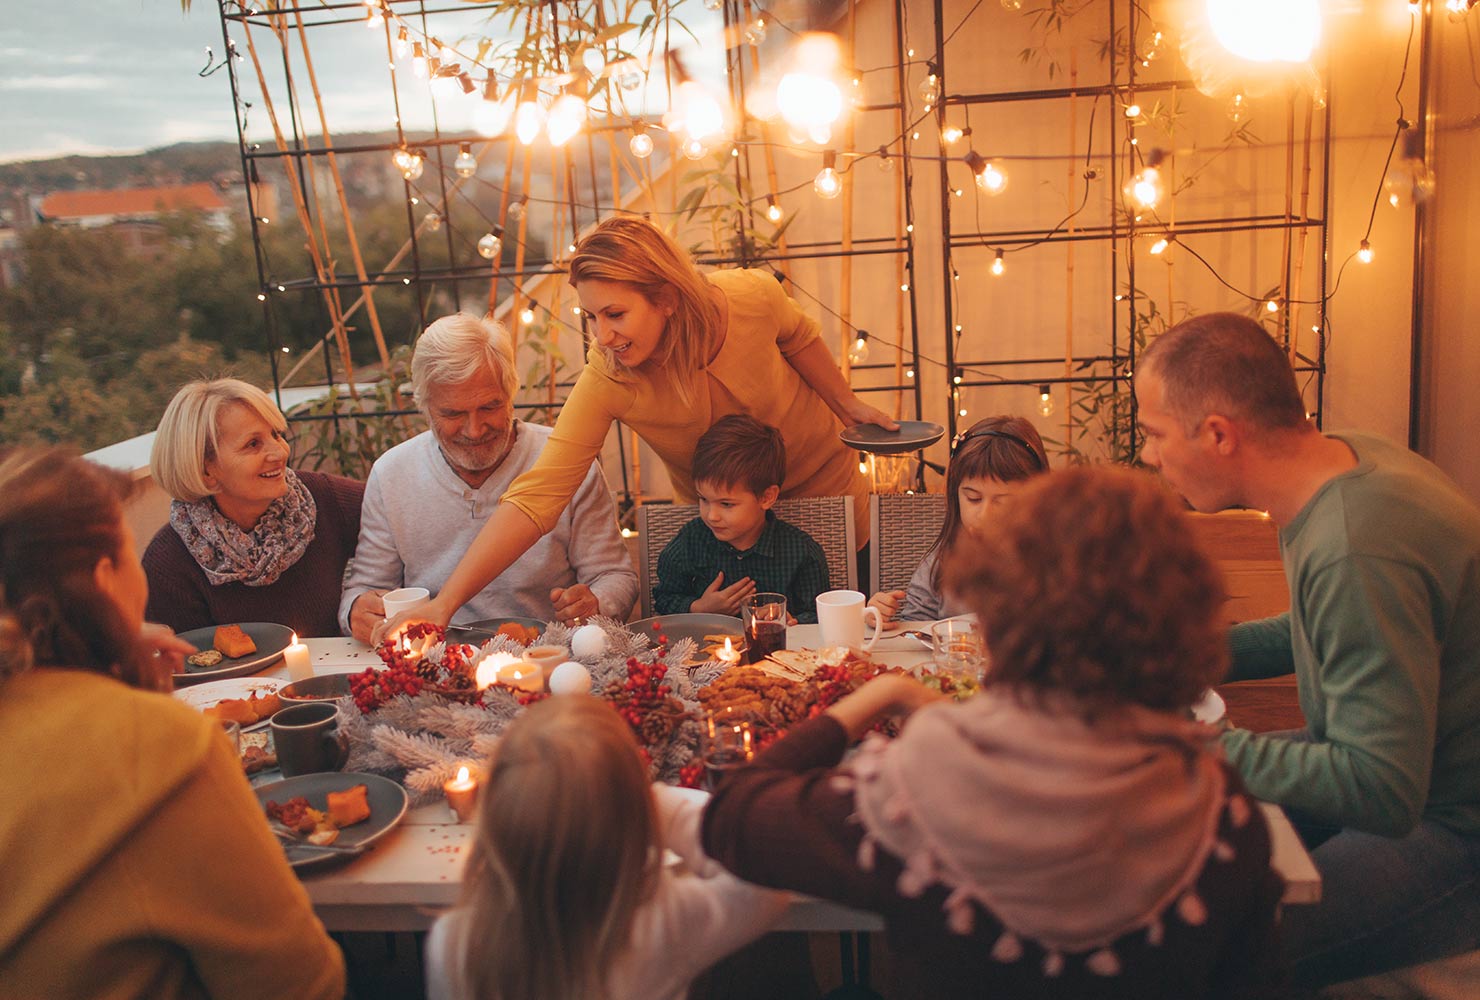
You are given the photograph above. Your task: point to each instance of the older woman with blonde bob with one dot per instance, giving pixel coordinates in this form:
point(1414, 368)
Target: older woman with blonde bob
point(1066, 832)
point(672, 351)
point(137, 861)
point(248, 538)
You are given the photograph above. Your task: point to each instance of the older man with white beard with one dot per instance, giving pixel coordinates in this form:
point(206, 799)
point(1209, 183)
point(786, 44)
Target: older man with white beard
point(427, 497)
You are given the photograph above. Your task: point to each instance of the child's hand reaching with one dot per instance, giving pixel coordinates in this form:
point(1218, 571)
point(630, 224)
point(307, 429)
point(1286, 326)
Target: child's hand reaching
point(888, 602)
point(719, 600)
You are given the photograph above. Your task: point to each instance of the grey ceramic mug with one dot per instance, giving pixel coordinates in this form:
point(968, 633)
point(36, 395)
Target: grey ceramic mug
point(308, 740)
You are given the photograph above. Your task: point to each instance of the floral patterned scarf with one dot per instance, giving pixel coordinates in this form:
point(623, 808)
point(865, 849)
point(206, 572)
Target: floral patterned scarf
point(257, 557)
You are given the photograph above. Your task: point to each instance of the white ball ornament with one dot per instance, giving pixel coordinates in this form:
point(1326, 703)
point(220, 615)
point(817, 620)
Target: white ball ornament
point(570, 678)
point(588, 642)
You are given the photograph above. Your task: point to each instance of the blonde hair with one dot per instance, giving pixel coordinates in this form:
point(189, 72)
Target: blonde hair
point(187, 435)
point(563, 857)
point(59, 516)
point(635, 252)
point(455, 349)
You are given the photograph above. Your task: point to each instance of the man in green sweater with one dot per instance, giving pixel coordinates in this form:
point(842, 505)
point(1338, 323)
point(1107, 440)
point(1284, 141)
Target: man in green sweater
point(1382, 556)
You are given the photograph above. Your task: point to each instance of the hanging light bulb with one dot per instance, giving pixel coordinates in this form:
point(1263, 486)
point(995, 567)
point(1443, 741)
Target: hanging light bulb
point(434, 222)
point(1152, 48)
point(694, 149)
point(1266, 31)
point(1045, 400)
point(1238, 108)
point(773, 210)
point(1273, 305)
point(755, 31)
point(696, 113)
point(858, 352)
point(809, 96)
point(401, 158)
point(414, 164)
point(402, 44)
point(528, 117)
point(1133, 111)
point(713, 4)
point(930, 87)
point(490, 245)
point(827, 183)
point(1012, 5)
point(951, 134)
point(997, 266)
point(517, 209)
point(641, 143)
point(1144, 188)
point(526, 316)
point(418, 61)
point(1364, 252)
point(375, 19)
point(1409, 180)
point(566, 117)
point(989, 177)
point(1160, 245)
point(491, 116)
point(466, 163)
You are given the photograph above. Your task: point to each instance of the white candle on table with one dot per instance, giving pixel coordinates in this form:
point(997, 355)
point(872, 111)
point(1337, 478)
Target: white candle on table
point(462, 794)
point(523, 675)
point(729, 656)
point(296, 659)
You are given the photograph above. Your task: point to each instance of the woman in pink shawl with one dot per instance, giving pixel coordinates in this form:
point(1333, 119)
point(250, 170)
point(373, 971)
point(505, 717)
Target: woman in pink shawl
point(1068, 831)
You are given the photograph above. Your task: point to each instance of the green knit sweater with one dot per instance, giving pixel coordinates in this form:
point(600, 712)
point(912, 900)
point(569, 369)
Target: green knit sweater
point(1383, 635)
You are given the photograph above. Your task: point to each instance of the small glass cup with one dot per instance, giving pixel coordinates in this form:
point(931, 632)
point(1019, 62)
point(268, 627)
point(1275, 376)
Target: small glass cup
point(233, 733)
point(960, 648)
point(728, 742)
point(764, 616)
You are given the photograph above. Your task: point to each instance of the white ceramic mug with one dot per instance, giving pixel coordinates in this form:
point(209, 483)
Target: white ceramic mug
point(842, 614)
point(405, 599)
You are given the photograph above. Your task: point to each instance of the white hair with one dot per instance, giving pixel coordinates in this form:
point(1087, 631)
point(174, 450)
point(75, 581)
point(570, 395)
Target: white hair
point(457, 348)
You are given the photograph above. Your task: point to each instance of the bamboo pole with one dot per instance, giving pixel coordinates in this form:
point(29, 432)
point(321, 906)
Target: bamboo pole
point(1069, 249)
point(769, 157)
point(503, 221)
point(845, 277)
point(1288, 235)
point(1295, 318)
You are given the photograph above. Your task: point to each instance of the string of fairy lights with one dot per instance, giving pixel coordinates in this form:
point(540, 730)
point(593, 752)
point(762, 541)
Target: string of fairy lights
point(811, 97)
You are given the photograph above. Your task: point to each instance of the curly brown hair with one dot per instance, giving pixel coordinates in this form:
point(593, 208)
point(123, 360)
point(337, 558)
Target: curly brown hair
point(1091, 587)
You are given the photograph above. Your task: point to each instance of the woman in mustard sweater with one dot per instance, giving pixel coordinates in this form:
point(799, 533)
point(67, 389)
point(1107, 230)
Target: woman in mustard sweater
point(673, 351)
point(134, 859)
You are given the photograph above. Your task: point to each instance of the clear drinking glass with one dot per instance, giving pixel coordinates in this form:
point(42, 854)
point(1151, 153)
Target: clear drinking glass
point(728, 741)
point(960, 648)
point(233, 733)
point(764, 616)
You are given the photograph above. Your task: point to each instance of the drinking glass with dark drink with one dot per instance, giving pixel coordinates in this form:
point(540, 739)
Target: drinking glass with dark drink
point(728, 742)
point(765, 625)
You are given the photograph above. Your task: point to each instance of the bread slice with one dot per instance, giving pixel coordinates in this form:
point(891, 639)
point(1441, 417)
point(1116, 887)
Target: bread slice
point(233, 642)
point(350, 806)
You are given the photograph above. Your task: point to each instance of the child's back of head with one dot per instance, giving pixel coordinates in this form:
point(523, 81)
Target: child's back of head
point(563, 854)
point(740, 451)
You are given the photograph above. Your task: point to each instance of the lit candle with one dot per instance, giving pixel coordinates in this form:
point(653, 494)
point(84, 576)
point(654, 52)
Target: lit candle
point(462, 794)
point(729, 656)
point(489, 667)
point(295, 658)
point(522, 675)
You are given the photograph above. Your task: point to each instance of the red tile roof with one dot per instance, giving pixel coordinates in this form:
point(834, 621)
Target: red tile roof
point(130, 201)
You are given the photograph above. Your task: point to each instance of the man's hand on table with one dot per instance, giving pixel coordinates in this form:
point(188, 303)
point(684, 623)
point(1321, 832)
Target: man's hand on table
point(574, 602)
point(886, 695)
point(718, 599)
point(166, 651)
point(432, 611)
point(367, 612)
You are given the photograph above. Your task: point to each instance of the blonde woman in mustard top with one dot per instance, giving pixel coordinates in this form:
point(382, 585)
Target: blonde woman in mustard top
point(673, 351)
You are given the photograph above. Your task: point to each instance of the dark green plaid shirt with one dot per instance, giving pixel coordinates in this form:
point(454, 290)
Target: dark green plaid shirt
point(784, 560)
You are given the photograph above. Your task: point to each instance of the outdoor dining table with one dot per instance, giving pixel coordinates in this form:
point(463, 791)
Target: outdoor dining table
point(405, 880)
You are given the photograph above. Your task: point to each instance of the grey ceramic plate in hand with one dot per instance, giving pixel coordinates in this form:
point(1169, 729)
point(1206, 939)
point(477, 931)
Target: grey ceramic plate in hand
point(271, 640)
point(387, 800)
point(911, 436)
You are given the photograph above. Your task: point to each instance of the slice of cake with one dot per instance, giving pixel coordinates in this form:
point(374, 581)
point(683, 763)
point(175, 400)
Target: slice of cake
point(233, 642)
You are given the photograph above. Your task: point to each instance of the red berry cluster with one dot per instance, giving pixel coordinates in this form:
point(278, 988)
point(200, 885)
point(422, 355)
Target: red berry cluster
point(691, 775)
point(527, 698)
point(641, 692)
point(374, 688)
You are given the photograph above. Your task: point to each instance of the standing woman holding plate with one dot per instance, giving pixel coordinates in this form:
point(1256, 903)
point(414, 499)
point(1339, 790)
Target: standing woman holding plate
point(673, 351)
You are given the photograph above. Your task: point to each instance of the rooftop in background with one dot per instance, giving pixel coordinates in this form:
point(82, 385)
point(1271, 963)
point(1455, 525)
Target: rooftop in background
point(99, 208)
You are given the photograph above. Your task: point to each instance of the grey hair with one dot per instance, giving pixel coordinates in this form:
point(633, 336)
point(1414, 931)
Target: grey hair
point(457, 348)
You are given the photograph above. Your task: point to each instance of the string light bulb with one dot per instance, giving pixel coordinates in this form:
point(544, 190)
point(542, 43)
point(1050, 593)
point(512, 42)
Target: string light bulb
point(951, 134)
point(930, 86)
point(528, 117)
point(402, 44)
point(1273, 306)
point(694, 149)
point(809, 95)
point(491, 244)
point(1238, 107)
point(566, 117)
point(1045, 400)
point(755, 32)
point(989, 177)
point(414, 164)
point(1409, 180)
point(827, 183)
point(1144, 188)
point(434, 222)
point(418, 61)
point(526, 316)
point(1162, 242)
point(375, 18)
point(466, 163)
point(997, 266)
point(1133, 111)
point(1012, 6)
point(1364, 252)
point(641, 144)
point(1152, 48)
point(858, 352)
point(773, 210)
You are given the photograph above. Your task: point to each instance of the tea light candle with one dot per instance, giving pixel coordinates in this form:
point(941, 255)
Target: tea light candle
point(462, 794)
point(523, 675)
point(295, 658)
point(729, 656)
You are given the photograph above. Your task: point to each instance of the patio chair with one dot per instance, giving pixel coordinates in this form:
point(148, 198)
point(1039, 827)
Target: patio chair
point(827, 519)
point(902, 527)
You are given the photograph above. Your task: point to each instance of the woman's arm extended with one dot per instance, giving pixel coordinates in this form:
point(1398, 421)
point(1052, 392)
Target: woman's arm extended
point(815, 364)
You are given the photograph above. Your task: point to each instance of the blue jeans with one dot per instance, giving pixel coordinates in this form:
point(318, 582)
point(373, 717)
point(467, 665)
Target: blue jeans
point(1386, 902)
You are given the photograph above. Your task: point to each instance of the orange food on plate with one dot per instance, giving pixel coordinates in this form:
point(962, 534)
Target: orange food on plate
point(350, 806)
point(233, 642)
point(522, 634)
point(245, 711)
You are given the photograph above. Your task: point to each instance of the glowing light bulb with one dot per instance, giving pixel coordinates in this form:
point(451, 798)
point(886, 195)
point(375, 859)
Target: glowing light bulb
point(1144, 188)
point(517, 209)
point(1152, 48)
point(1012, 5)
point(526, 316)
point(1045, 401)
point(528, 118)
point(401, 158)
point(809, 96)
point(694, 149)
point(951, 134)
point(490, 245)
point(858, 352)
point(827, 183)
point(989, 176)
point(414, 166)
point(755, 31)
point(434, 222)
point(1409, 180)
point(418, 61)
point(997, 266)
point(773, 210)
point(402, 44)
point(1267, 31)
point(1364, 252)
point(930, 87)
point(567, 115)
point(1273, 305)
point(641, 143)
point(374, 19)
point(1238, 108)
point(1160, 245)
point(466, 163)
point(713, 4)
point(1133, 111)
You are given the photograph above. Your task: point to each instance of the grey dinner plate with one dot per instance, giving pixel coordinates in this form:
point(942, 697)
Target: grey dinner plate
point(388, 803)
point(911, 436)
point(688, 626)
point(271, 640)
point(490, 625)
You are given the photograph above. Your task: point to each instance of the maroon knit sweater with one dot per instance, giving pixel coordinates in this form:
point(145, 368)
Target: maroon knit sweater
point(780, 823)
point(305, 597)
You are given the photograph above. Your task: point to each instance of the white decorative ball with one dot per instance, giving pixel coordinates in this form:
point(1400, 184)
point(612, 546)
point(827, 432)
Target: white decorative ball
point(588, 642)
point(570, 678)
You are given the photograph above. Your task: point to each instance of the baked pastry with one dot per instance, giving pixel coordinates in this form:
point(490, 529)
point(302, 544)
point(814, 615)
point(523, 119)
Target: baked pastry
point(350, 806)
point(237, 710)
point(233, 642)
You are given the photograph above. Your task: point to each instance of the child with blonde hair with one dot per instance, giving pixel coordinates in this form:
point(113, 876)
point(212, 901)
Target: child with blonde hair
point(566, 893)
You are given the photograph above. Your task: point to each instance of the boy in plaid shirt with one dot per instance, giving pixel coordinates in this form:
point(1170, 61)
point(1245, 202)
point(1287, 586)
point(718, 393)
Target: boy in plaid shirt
point(736, 546)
